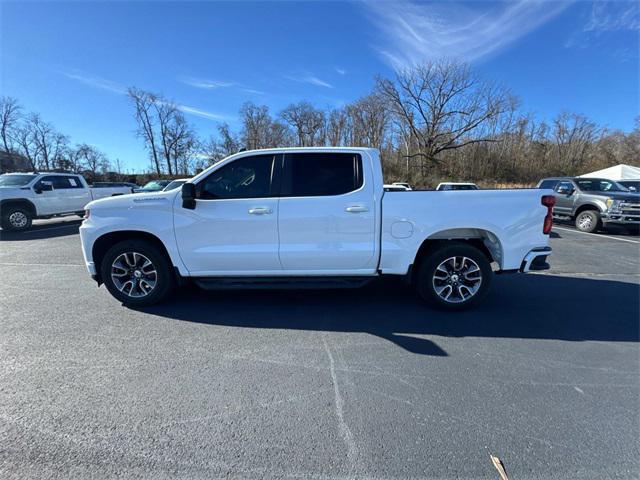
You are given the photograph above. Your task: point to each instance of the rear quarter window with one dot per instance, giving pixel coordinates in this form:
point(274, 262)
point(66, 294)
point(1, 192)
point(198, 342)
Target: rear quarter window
point(548, 184)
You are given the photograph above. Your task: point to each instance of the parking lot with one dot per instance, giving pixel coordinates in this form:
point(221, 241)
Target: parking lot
point(364, 383)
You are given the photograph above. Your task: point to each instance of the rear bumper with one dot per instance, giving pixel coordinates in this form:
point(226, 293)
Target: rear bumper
point(536, 260)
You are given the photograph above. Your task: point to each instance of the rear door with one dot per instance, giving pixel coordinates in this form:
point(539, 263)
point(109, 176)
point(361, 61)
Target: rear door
point(234, 228)
point(75, 194)
point(326, 215)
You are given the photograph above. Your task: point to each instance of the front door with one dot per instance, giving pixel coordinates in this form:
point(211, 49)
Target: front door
point(234, 228)
point(327, 215)
point(564, 201)
point(48, 202)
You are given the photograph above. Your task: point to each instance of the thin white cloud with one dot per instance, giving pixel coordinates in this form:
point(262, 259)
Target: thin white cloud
point(310, 79)
point(606, 19)
point(95, 81)
point(414, 32)
point(253, 91)
point(201, 113)
point(111, 86)
point(206, 83)
point(614, 16)
point(341, 71)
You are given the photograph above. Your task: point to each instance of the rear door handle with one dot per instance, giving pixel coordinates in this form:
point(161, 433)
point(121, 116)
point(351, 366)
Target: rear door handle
point(356, 209)
point(260, 211)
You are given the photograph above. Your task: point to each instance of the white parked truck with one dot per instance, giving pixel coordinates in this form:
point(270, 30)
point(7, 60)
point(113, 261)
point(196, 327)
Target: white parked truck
point(312, 217)
point(26, 196)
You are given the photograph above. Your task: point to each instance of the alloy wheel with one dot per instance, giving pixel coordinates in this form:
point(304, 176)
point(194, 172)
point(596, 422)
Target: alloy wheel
point(134, 274)
point(457, 279)
point(18, 220)
point(584, 222)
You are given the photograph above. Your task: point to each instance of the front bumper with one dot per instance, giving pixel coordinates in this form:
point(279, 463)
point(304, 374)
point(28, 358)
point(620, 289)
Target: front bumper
point(536, 260)
point(621, 218)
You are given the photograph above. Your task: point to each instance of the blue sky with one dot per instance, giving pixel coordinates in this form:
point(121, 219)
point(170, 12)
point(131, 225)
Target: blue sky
point(72, 61)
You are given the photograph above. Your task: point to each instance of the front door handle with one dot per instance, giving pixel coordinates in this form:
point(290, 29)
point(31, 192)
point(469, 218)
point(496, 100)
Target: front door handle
point(260, 211)
point(356, 209)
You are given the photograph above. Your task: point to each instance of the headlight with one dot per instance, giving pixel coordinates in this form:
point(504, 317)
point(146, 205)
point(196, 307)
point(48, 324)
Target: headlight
point(613, 205)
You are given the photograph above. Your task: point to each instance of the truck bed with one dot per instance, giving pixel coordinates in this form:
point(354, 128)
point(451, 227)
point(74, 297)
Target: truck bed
point(511, 221)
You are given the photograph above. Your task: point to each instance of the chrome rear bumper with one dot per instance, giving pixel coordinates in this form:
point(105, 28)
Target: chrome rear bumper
point(536, 259)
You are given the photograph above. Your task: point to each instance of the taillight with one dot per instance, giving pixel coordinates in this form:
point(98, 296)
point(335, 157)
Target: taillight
point(548, 201)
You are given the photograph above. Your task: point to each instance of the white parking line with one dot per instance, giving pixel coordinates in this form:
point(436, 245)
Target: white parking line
point(9, 264)
point(598, 235)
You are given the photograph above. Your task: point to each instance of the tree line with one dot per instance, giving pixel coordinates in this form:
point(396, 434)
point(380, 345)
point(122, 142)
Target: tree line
point(436, 121)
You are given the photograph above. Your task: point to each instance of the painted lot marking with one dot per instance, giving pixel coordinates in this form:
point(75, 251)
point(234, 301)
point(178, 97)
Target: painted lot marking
point(597, 235)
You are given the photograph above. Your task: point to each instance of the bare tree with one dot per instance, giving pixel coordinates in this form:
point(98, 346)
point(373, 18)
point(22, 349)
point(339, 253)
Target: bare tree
point(256, 121)
point(337, 129)
point(307, 123)
point(573, 135)
point(444, 105)
point(27, 145)
point(10, 113)
point(227, 144)
point(92, 160)
point(145, 104)
point(369, 121)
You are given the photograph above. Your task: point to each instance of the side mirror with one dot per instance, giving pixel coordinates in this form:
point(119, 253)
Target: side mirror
point(43, 187)
point(189, 196)
point(565, 190)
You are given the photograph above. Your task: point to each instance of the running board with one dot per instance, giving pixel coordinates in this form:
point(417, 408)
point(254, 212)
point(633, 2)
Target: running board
point(286, 283)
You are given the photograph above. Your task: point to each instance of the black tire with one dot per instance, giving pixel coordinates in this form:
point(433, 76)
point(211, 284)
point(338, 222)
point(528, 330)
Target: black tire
point(588, 221)
point(164, 276)
point(428, 285)
point(16, 218)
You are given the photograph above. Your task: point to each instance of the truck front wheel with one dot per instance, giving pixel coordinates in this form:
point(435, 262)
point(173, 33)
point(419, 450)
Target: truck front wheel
point(137, 273)
point(454, 277)
point(16, 218)
point(588, 221)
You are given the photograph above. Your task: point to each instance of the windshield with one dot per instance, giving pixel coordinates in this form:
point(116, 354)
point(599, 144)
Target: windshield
point(174, 184)
point(599, 185)
point(154, 185)
point(15, 180)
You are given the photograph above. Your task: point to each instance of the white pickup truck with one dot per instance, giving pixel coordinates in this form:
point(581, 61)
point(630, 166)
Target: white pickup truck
point(312, 217)
point(26, 196)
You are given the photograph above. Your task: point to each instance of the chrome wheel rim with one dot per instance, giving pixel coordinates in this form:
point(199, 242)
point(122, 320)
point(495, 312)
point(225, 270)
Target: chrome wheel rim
point(18, 220)
point(584, 222)
point(134, 274)
point(457, 279)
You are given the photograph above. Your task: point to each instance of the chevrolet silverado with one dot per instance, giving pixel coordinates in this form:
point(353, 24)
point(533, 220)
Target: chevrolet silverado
point(320, 217)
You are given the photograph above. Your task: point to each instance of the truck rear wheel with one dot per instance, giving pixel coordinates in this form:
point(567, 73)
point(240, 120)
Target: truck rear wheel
point(137, 273)
point(454, 277)
point(588, 221)
point(16, 218)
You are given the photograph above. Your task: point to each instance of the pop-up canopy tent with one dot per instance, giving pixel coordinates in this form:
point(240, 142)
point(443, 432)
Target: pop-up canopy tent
point(619, 172)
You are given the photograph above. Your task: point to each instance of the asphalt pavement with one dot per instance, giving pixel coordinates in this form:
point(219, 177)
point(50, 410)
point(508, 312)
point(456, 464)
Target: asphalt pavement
point(366, 383)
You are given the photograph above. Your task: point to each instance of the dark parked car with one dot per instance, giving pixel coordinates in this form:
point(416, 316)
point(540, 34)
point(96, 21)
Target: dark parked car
point(594, 203)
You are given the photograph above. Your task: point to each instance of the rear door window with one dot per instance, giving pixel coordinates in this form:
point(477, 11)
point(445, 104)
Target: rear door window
point(321, 174)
